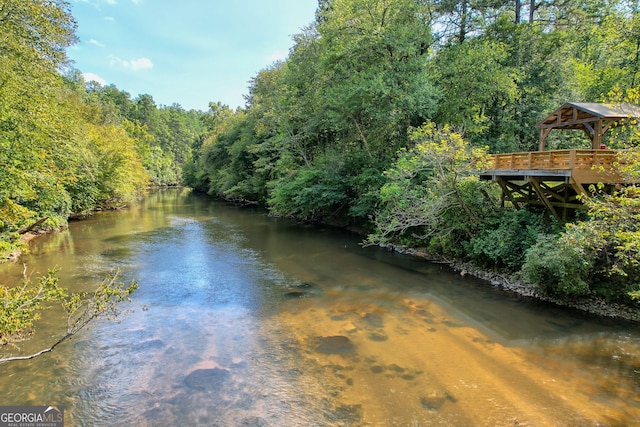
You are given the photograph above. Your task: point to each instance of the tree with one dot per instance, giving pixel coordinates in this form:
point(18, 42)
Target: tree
point(35, 127)
point(431, 192)
point(372, 64)
point(474, 80)
point(607, 54)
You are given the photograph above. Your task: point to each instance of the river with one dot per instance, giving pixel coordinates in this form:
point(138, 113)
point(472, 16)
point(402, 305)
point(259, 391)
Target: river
point(242, 319)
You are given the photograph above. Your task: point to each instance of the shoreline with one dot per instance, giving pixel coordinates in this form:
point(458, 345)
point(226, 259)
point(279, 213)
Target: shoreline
point(589, 304)
point(25, 238)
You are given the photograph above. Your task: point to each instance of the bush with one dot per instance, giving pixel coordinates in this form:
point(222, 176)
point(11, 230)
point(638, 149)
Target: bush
point(309, 194)
point(432, 192)
point(506, 236)
point(558, 268)
point(600, 255)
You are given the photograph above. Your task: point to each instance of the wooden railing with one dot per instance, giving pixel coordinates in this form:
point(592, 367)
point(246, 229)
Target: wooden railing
point(557, 160)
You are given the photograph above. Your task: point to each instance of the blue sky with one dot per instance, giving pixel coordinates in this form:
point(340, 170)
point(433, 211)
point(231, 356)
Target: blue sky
point(189, 52)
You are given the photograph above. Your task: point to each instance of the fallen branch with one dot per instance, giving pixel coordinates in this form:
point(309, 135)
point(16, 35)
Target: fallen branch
point(32, 226)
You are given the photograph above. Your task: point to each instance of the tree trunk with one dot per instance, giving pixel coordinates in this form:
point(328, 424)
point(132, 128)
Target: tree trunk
point(464, 8)
point(532, 9)
point(363, 138)
point(518, 11)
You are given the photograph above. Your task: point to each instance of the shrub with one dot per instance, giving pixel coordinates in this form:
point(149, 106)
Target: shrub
point(557, 267)
point(600, 255)
point(506, 236)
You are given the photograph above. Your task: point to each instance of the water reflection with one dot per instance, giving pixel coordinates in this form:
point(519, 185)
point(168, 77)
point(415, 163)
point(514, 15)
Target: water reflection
point(242, 319)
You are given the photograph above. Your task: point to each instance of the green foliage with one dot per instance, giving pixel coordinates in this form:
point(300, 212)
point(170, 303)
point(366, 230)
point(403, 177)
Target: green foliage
point(558, 267)
point(474, 80)
point(312, 193)
point(227, 160)
point(432, 191)
point(372, 61)
point(21, 307)
point(34, 125)
point(600, 255)
point(606, 53)
point(505, 236)
point(613, 235)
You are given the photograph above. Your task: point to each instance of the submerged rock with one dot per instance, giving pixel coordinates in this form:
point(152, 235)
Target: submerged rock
point(374, 320)
point(337, 344)
point(207, 379)
point(347, 414)
point(304, 286)
point(434, 400)
point(377, 336)
point(296, 294)
point(303, 290)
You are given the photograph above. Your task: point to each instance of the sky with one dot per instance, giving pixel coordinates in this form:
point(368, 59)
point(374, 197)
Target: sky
point(189, 52)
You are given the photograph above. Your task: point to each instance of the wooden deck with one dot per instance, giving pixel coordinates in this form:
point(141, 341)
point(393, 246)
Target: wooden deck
point(555, 179)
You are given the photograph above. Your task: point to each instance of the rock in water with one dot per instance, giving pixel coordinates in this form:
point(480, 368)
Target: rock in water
point(434, 400)
point(207, 379)
point(334, 345)
point(296, 294)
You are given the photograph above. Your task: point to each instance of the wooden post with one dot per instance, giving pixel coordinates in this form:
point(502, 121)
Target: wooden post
point(597, 135)
point(572, 159)
point(535, 184)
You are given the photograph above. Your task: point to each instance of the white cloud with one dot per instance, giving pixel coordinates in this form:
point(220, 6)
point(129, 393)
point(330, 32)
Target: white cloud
point(141, 64)
point(112, 2)
point(133, 64)
point(110, 19)
point(90, 77)
point(95, 43)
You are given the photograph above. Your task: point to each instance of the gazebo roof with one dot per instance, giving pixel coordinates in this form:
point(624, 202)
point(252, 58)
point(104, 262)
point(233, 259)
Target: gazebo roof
point(592, 118)
point(573, 115)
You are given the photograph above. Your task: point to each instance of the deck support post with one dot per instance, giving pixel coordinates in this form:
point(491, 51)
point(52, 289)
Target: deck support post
point(542, 195)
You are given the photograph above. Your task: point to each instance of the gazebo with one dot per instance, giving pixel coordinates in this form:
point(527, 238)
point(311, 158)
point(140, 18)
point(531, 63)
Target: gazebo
point(592, 118)
point(560, 179)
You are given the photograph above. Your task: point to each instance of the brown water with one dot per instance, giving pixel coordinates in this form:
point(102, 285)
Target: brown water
point(246, 320)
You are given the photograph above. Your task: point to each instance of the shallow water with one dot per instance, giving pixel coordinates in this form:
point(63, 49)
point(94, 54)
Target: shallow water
point(246, 320)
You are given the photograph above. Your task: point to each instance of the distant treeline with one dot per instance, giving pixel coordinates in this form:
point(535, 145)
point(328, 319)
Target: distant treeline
point(378, 119)
point(68, 147)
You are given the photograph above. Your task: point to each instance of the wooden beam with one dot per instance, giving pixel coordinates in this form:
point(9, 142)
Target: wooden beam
point(578, 188)
point(561, 124)
point(535, 184)
point(591, 131)
point(507, 192)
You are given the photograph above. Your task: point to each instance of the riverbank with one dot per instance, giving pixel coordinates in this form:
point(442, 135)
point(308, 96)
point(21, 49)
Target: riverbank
point(589, 304)
point(25, 238)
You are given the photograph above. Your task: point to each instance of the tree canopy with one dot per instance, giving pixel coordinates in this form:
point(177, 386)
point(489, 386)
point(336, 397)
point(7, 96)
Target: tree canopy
point(335, 132)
